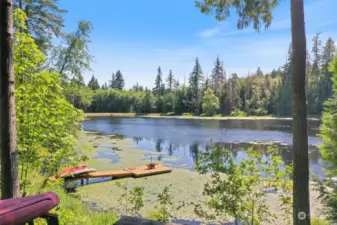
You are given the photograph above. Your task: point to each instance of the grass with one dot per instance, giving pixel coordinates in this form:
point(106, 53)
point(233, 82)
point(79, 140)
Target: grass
point(72, 210)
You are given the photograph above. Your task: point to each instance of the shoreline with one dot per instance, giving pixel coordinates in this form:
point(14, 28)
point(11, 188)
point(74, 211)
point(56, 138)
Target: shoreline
point(160, 116)
point(186, 185)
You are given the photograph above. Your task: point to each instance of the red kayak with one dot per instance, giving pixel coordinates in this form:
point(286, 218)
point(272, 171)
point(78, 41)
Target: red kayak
point(22, 210)
point(76, 171)
point(71, 170)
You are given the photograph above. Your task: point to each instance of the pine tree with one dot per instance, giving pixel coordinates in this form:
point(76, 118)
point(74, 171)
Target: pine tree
point(195, 79)
point(170, 81)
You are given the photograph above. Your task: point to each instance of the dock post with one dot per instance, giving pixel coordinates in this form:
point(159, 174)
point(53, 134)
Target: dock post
point(82, 182)
point(87, 180)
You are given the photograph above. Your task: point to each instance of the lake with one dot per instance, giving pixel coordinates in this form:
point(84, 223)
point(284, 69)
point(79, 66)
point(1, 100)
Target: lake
point(186, 138)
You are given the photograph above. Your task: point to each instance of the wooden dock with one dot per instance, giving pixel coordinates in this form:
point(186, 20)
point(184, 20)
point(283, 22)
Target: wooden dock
point(130, 172)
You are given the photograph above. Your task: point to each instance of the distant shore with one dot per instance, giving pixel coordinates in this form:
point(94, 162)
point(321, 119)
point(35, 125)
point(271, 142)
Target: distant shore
point(167, 116)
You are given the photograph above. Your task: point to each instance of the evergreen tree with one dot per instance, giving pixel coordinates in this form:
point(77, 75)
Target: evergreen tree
point(326, 83)
point(158, 85)
point(259, 72)
point(112, 82)
point(44, 20)
point(328, 148)
point(119, 81)
point(260, 13)
point(207, 84)
point(93, 83)
point(158, 90)
point(195, 79)
point(316, 51)
point(314, 106)
point(105, 86)
point(288, 65)
point(224, 101)
point(181, 100)
point(235, 101)
point(176, 84)
point(170, 81)
point(147, 102)
point(217, 77)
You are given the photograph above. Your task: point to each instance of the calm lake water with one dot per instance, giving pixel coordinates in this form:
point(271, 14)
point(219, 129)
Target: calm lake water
point(185, 138)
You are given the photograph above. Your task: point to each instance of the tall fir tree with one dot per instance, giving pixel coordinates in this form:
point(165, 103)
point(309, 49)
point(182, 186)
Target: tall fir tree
point(157, 90)
point(170, 81)
point(316, 61)
point(195, 80)
point(217, 77)
point(119, 81)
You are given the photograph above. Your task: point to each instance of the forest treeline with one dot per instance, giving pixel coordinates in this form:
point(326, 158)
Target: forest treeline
point(257, 93)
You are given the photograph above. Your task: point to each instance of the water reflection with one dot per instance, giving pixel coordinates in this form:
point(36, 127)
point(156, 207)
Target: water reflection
point(183, 140)
point(201, 131)
point(188, 155)
point(159, 143)
point(170, 149)
point(194, 151)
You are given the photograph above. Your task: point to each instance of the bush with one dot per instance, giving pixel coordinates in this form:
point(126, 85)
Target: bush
point(238, 113)
point(316, 221)
point(239, 189)
point(72, 210)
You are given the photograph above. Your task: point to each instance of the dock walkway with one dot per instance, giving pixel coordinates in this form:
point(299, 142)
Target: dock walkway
point(130, 172)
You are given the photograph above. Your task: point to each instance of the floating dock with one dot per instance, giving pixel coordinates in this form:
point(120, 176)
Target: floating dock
point(130, 172)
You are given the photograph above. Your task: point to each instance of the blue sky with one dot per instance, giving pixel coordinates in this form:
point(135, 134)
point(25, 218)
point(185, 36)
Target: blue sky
point(138, 36)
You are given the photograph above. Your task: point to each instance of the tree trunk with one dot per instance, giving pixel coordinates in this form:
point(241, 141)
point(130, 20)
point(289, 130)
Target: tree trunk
point(9, 162)
point(301, 205)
